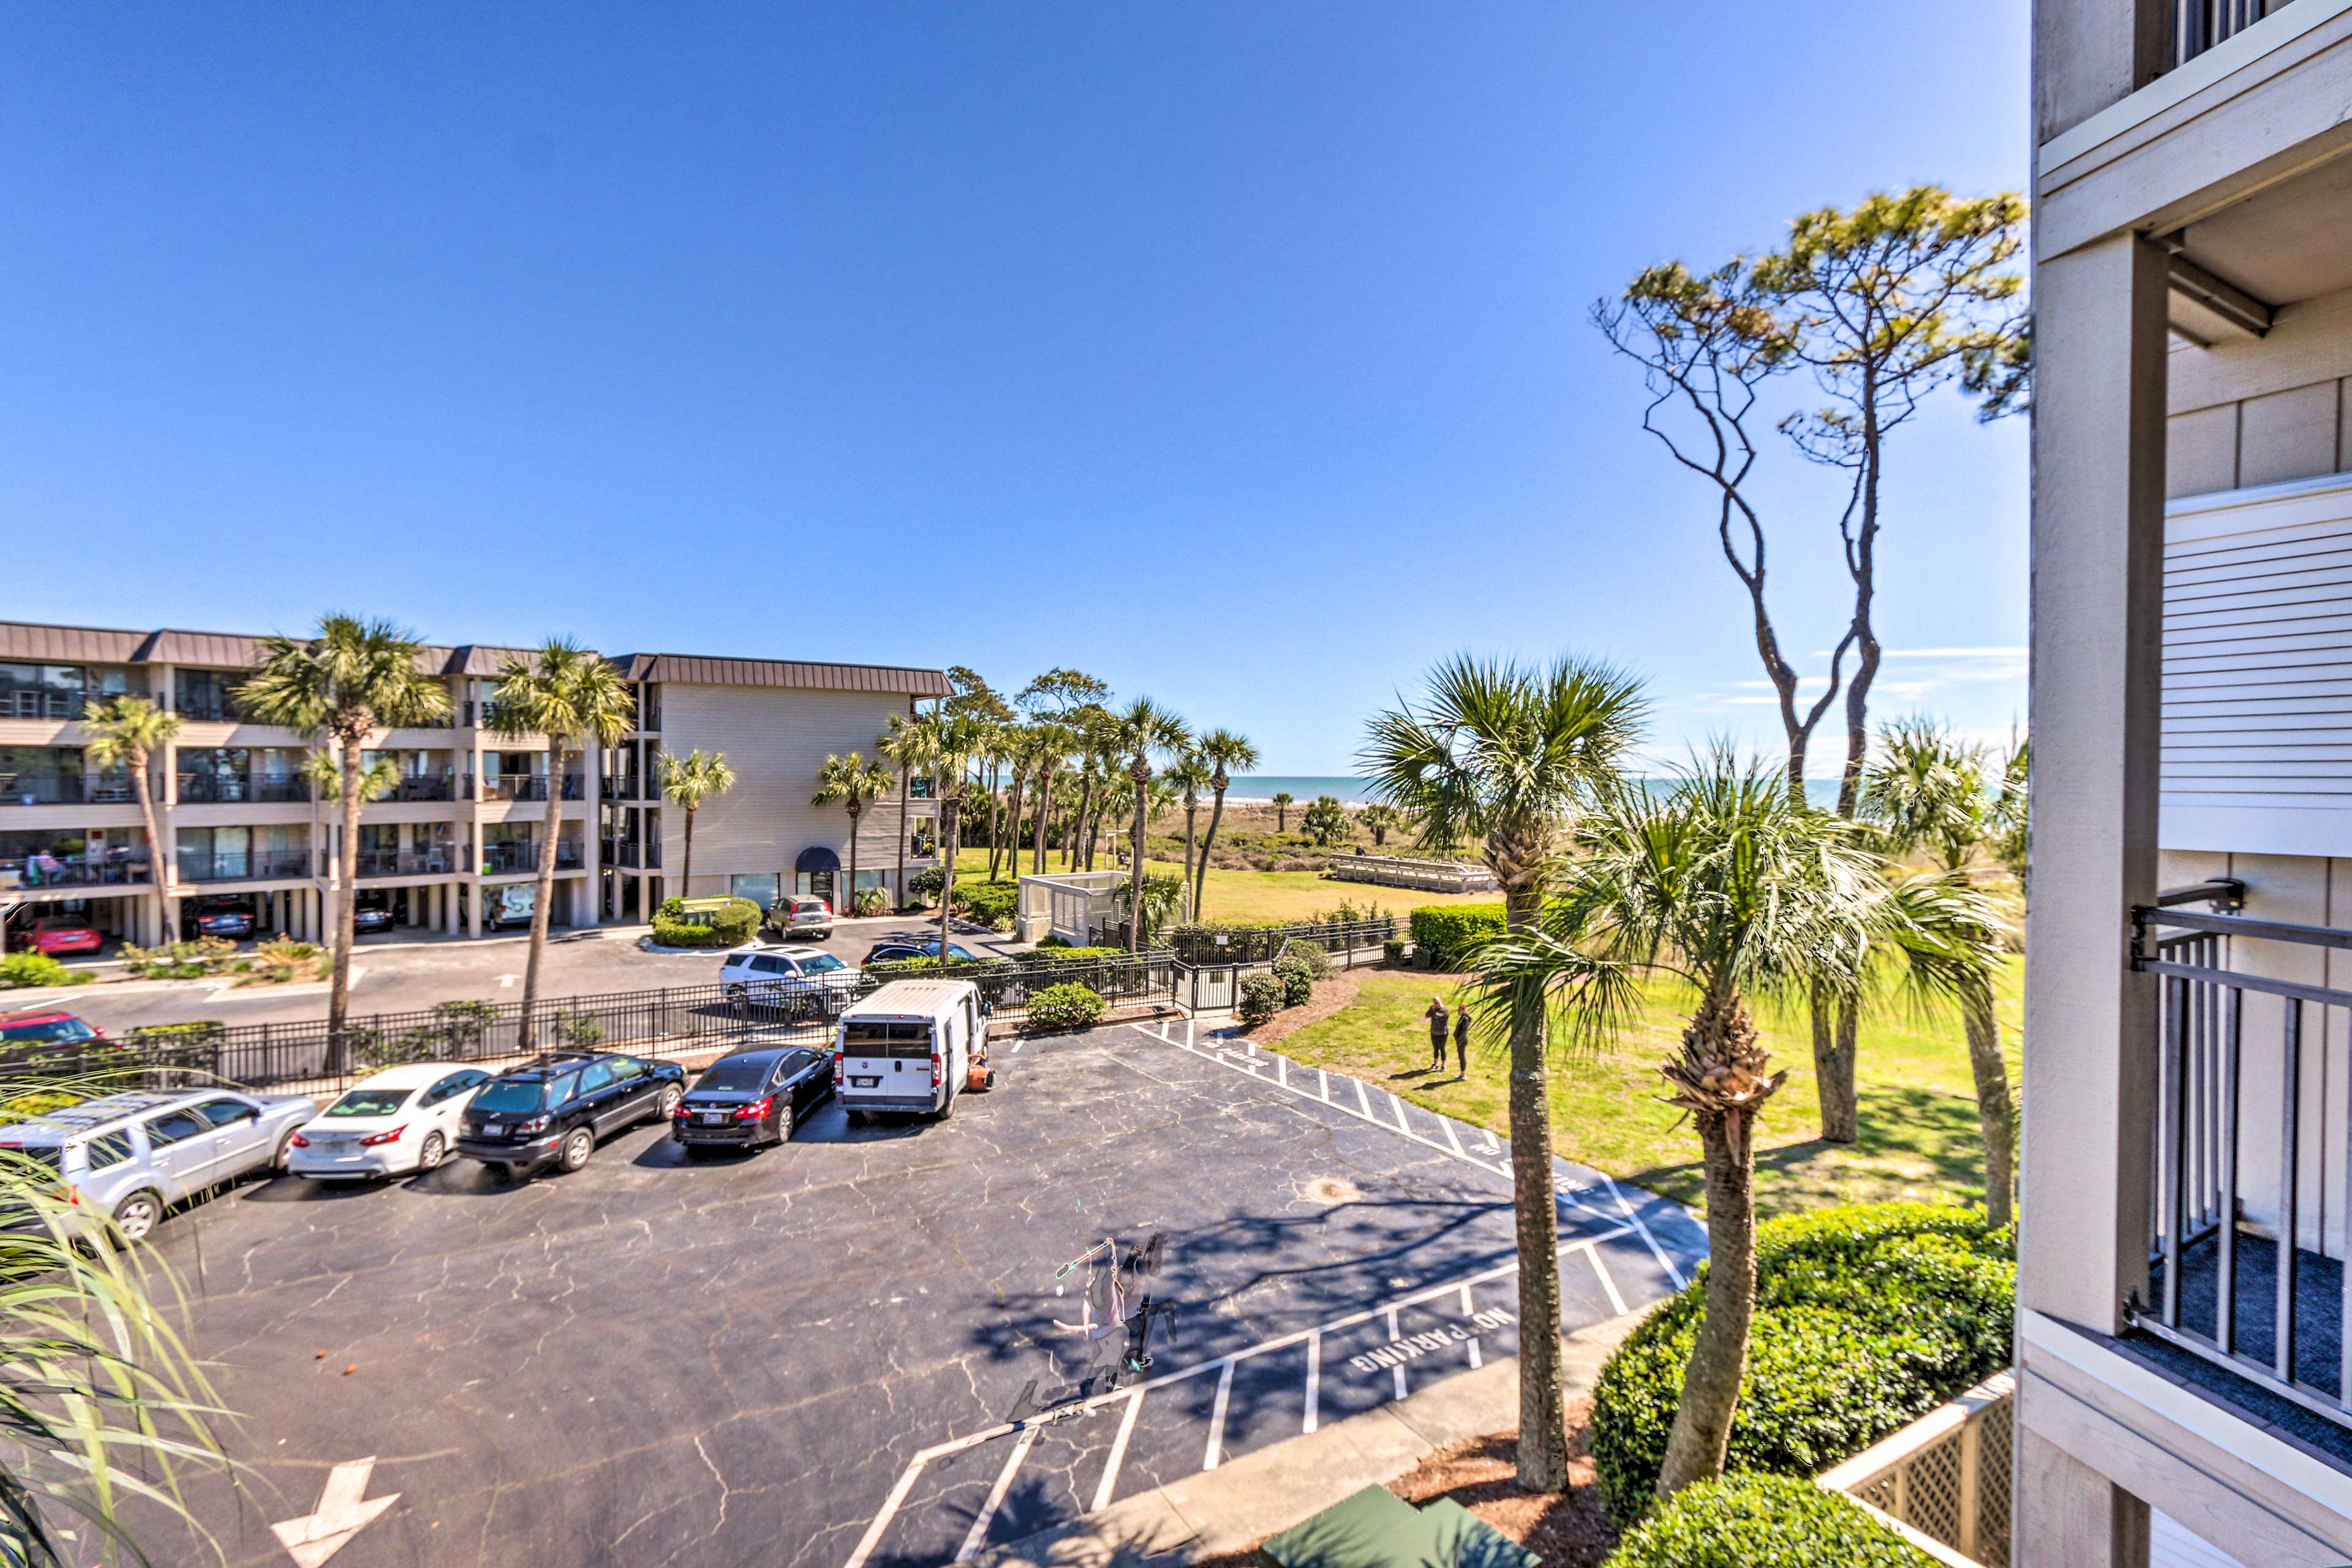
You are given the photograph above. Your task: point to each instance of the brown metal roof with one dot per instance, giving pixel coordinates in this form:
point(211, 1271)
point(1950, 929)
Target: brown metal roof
point(698, 669)
point(230, 650)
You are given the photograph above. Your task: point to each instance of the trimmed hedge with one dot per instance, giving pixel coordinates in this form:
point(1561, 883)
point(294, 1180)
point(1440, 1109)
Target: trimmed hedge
point(990, 903)
point(33, 970)
point(1297, 977)
point(1867, 1316)
point(1066, 1006)
point(1262, 994)
point(1753, 1521)
point(731, 927)
point(1444, 933)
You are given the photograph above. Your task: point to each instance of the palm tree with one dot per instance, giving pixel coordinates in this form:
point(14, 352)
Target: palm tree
point(856, 781)
point(895, 750)
point(1051, 744)
point(1506, 755)
point(574, 698)
point(1225, 752)
point(1282, 811)
point(1146, 731)
point(948, 744)
point(1378, 818)
point(353, 678)
point(1190, 774)
point(686, 783)
point(1007, 747)
point(1923, 788)
point(127, 731)
point(1728, 887)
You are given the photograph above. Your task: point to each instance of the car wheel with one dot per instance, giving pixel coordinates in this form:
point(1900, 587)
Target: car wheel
point(429, 1156)
point(784, 1125)
point(578, 1145)
point(947, 1106)
point(137, 1215)
point(666, 1107)
point(285, 1150)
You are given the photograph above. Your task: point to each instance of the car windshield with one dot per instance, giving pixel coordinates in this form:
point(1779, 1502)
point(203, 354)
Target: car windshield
point(47, 1154)
point(511, 1095)
point(734, 1074)
point(370, 1102)
point(46, 1031)
point(821, 963)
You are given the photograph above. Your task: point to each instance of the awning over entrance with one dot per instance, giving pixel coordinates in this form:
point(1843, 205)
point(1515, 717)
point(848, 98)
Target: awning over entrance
point(817, 857)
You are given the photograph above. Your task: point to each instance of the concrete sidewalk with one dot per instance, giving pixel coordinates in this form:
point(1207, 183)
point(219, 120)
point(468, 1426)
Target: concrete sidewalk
point(1240, 1503)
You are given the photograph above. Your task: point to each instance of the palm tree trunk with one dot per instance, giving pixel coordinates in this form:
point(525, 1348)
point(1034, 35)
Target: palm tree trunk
point(1996, 1112)
point(1045, 809)
point(338, 989)
point(1079, 822)
point(849, 903)
point(898, 893)
point(1543, 1420)
point(1142, 776)
point(948, 827)
point(1835, 1027)
point(166, 864)
point(1200, 872)
point(685, 873)
point(546, 885)
point(1702, 1430)
point(1191, 817)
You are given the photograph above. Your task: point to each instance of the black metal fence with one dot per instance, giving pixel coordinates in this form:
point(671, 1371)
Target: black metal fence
point(1262, 944)
point(307, 1057)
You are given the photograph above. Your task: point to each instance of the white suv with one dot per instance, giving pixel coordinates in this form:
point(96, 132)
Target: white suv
point(801, 981)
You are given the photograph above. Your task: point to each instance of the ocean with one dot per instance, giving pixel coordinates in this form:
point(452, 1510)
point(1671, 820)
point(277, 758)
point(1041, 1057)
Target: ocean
point(1304, 787)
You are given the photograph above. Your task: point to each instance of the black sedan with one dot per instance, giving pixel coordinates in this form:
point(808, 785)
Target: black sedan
point(752, 1097)
point(368, 918)
point(893, 948)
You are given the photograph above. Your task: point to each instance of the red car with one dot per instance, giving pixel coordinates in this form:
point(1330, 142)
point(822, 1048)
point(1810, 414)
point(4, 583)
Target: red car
point(61, 936)
point(21, 1032)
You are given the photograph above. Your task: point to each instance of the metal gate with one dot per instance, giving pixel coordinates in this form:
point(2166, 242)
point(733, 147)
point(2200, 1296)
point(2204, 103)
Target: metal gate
point(1211, 988)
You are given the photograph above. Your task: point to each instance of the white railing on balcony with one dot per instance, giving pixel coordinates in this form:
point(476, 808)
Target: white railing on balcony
point(1944, 1480)
point(2199, 25)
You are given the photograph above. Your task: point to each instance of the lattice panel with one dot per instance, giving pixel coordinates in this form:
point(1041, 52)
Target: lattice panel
point(1993, 1433)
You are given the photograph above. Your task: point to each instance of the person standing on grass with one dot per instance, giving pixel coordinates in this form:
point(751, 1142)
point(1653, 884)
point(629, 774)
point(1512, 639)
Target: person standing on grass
point(1461, 1042)
point(1436, 1016)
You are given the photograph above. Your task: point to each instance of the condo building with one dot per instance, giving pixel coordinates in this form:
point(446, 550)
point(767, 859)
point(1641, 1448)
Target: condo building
point(2185, 1375)
point(454, 844)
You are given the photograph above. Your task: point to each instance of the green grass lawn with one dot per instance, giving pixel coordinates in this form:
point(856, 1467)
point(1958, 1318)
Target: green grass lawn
point(1918, 1137)
point(1273, 897)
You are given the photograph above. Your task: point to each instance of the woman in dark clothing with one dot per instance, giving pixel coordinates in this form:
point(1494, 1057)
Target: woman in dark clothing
point(1461, 1041)
point(1436, 1016)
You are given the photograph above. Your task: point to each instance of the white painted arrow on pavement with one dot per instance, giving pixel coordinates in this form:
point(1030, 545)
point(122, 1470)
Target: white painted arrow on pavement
point(341, 1515)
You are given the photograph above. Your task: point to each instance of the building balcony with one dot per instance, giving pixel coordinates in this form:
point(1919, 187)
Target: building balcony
point(497, 859)
point(115, 871)
point(612, 788)
point(47, 789)
point(424, 789)
point(279, 789)
point(2199, 25)
point(244, 866)
point(636, 856)
point(214, 789)
point(437, 862)
point(42, 704)
point(530, 786)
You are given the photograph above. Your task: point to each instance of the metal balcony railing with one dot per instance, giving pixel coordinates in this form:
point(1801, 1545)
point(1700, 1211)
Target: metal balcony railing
point(407, 862)
point(208, 709)
point(43, 871)
point(280, 788)
point(524, 857)
point(244, 866)
point(42, 704)
point(214, 789)
point(2245, 1123)
point(40, 789)
point(529, 786)
point(423, 789)
point(2199, 25)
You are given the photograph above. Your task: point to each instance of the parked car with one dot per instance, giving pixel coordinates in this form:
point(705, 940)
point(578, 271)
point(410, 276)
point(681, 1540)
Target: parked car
point(401, 1119)
point(799, 981)
point(370, 916)
point(909, 1046)
point(129, 1157)
point(44, 1031)
point(897, 947)
point(553, 1111)
point(231, 919)
point(60, 936)
point(750, 1097)
point(797, 914)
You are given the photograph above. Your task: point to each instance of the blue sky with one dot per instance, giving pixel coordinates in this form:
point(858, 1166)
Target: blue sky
point(1235, 353)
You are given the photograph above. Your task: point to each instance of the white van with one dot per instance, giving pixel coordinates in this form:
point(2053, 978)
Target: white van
point(909, 1046)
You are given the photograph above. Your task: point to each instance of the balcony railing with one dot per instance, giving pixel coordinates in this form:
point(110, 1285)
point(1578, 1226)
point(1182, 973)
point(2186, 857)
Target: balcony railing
point(280, 788)
point(528, 786)
point(423, 789)
point(407, 862)
point(2245, 1125)
point(2199, 25)
point(40, 789)
point(614, 787)
point(215, 788)
point(244, 866)
point(636, 855)
point(42, 704)
point(113, 871)
point(524, 857)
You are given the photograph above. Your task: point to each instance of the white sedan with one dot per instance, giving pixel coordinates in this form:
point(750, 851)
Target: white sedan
point(401, 1119)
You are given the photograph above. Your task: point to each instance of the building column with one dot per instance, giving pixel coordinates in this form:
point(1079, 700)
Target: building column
point(473, 910)
point(2095, 687)
point(592, 841)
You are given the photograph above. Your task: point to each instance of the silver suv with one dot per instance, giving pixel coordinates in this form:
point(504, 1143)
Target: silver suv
point(132, 1156)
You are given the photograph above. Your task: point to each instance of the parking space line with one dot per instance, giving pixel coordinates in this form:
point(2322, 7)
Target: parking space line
point(1398, 1105)
point(1395, 1333)
point(1324, 1079)
point(905, 1482)
point(1656, 1251)
point(1447, 1123)
point(1214, 1452)
point(977, 1536)
point(1282, 1071)
point(1616, 1302)
point(1362, 1098)
point(1493, 1147)
point(1118, 1452)
point(1469, 1310)
point(1314, 1381)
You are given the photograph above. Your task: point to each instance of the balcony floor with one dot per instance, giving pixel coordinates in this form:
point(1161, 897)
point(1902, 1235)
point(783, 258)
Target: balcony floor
point(2318, 1334)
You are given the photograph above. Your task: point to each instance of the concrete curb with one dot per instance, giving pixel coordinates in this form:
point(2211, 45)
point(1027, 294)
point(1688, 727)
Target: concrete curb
point(1239, 1504)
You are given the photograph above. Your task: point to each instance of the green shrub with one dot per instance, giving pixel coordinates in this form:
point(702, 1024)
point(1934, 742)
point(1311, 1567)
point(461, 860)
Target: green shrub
point(906, 968)
point(1296, 977)
point(673, 907)
point(579, 1031)
point(1444, 933)
point(1753, 1521)
point(1262, 996)
point(464, 1024)
point(1866, 1317)
point(1311, 954)
point(1047, 957)
point(872, 901)
point(1052, 939)
point(990, 903)
point(180, 960)
point(1392, 950)
point(730, 927)
point(926, 883)
point(26, 970)
point(1066, 1006)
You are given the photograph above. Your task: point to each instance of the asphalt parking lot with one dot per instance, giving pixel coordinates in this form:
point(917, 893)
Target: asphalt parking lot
point(817, 1356)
